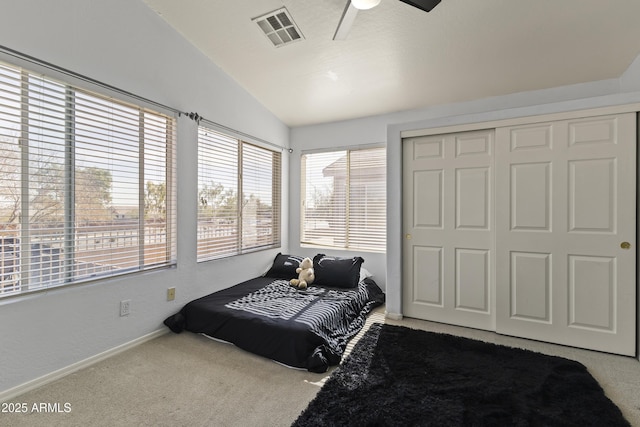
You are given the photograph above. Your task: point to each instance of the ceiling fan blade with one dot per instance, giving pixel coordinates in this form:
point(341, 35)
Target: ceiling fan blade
point(425, 5)
point(346, 22)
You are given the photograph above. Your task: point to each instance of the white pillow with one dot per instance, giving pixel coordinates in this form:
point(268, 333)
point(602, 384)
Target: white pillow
point(364, 273)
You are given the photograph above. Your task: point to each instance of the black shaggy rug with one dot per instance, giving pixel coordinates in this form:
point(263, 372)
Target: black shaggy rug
point(396, 376)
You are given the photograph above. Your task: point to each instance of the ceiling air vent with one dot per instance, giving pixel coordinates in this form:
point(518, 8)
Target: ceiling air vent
point(279, 27)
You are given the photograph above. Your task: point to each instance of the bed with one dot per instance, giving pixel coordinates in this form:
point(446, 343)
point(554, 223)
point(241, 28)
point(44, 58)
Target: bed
point(301, 328)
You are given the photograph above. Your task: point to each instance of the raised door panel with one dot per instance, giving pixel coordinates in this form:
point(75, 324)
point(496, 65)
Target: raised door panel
point(428, 199)
point(473, 144)
point(473, 198)
point(530, 201)
point(592, 279)
point(530, 138)
point(592, 190)
point(427, 148)
point(473, 286)
point(427, 271)
point(530, 286)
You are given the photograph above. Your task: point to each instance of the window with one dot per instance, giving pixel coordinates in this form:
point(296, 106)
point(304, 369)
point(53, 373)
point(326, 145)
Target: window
point(228, 224)
point(86, 185)
point(344, 199)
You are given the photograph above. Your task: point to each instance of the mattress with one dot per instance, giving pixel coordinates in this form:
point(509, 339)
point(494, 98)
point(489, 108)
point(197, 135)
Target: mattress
point(307, 328)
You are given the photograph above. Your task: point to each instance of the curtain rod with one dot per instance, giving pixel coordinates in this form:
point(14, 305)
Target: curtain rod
point(194, 116)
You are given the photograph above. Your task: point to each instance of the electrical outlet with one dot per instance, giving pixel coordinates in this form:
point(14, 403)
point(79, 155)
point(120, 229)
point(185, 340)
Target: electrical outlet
point(171, 294)
point(125, 307)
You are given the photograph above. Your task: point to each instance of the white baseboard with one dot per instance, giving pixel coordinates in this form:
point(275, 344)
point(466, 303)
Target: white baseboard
point(55, 375)
point(393, 316)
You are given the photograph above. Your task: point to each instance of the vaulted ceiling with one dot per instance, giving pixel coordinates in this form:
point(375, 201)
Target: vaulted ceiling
point(397, 57)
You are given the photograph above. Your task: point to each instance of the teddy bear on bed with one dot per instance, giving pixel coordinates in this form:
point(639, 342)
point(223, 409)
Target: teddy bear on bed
point(305, 274)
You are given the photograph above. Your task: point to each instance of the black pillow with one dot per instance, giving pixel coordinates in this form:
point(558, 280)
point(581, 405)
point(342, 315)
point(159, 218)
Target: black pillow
point(284, 267)
point(337, 272)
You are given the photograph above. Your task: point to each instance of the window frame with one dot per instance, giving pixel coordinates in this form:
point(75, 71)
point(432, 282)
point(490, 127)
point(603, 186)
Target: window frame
point(66, 271)
point(349, 190)
point(242, 145)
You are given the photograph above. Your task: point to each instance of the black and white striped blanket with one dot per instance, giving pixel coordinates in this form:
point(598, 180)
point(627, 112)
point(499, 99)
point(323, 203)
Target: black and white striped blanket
point(301, 328)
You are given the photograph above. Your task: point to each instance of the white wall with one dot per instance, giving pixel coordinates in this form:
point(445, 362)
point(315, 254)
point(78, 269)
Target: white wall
point(375, 129)
point(561, 99)
point(387, 128)
point(332, 135)
point(125, 44)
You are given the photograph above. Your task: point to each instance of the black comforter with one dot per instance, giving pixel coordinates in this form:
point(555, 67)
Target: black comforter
point(300, 328)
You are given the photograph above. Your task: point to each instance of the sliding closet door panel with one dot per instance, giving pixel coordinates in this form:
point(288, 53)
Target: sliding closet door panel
point(565, 232)
point(448, 226)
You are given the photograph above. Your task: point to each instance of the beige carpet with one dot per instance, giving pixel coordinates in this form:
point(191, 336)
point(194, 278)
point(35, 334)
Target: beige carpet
point(175, 380)
point(191, 380)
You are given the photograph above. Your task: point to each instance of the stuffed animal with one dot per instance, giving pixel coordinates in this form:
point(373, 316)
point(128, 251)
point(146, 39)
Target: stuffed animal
point(305, 274)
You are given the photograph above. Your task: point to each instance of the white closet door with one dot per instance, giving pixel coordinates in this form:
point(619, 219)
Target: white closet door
point(566, 236)
point(448, 229)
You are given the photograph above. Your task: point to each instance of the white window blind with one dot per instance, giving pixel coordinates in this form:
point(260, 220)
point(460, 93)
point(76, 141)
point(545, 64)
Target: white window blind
point(344, 199)
point(86, 184)
point(229, 225)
